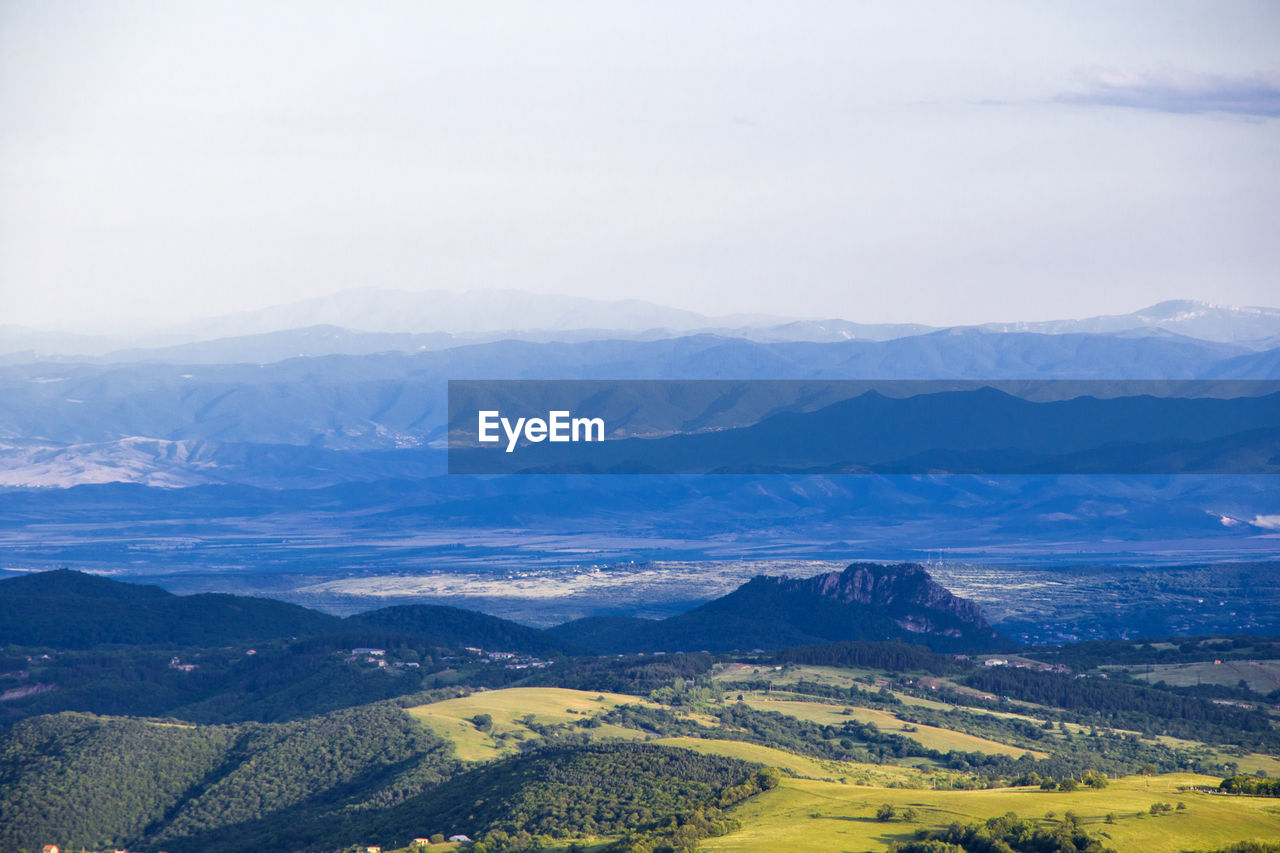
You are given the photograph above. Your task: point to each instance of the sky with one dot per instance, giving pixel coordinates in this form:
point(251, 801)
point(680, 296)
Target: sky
point(942, 163)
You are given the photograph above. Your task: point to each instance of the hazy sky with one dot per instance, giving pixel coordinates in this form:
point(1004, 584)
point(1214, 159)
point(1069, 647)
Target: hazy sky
point(941, 162)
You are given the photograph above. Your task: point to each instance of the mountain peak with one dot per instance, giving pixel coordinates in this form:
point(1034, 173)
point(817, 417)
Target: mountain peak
point(865, 601)
point(1187, 317)
point(904, 591)
point(70, 583)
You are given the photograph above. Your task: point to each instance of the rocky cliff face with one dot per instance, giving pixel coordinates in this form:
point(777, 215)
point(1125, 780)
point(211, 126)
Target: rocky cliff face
point(903, 591)
point(866, 601)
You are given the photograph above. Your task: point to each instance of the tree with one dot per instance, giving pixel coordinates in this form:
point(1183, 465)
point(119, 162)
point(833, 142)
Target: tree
point(886, 812)
point(1095, 779)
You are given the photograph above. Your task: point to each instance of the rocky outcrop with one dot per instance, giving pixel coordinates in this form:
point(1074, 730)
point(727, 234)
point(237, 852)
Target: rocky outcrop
point(866, 601)
point(903, 589)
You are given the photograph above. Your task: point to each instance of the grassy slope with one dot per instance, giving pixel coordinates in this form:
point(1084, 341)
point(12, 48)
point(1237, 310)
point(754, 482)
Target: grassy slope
point(850, 773)
point(832, 805)
point(549, 705)
point(928, 736)
point(453, 719)
point(825, 816)
point(838, 677)
point(1262, 676)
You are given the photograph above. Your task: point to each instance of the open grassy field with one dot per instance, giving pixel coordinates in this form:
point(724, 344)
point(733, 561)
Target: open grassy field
point(790, 674)
point(452, 718)
point(1253, 762)
point(1261, 676)
point(825, 817)
point(836, 676)
point(928, 736)
point(845, 678)
point(843, 772)
point(832, 676)
point(1249, 762)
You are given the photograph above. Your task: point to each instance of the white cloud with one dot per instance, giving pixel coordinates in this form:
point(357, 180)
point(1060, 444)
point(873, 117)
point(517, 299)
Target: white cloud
point(1181, 92)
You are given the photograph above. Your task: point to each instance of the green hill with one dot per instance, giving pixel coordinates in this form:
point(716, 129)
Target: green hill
point(367, 775)
point(71, 610)
point(82, 780)
point(594, 790)
point(453, 626)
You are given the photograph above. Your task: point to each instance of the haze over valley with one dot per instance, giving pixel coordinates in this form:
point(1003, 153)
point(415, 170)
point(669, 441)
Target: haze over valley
point(237, 464)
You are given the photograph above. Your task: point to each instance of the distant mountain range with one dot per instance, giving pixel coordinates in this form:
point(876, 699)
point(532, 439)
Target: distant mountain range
point(255, 434)
point(371, 309)
point(1186, 317)
point(71, 610)
point(285, 423)
point(369, 320)
point(288, 424)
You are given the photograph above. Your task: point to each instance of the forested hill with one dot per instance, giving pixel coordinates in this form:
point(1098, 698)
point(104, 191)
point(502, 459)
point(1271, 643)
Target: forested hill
point(363, 774)
point(449, 626)
point(70, 610)
point(111, 781)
